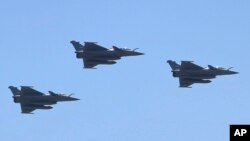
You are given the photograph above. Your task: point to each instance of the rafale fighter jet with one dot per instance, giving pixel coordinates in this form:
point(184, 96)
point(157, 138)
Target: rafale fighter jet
point(190, 73)
point(93, 54)
point(31, 99)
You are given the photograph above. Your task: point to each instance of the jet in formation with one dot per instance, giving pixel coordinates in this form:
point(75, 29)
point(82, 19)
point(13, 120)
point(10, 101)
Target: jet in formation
point(190, 73)
point(94, 54)
point(31, 99)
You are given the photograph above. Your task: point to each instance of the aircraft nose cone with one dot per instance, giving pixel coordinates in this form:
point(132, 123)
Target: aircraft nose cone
point(139, 53)
point(234, 72)
point(73, 99)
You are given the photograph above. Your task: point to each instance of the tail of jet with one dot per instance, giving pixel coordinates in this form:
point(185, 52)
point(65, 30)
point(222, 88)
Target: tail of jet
point(77, 45)
point(173, 65)
point(15, 90)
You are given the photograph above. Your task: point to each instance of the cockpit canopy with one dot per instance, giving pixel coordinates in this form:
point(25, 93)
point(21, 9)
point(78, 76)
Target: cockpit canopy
point(121, 49)
point(116, 48)
point(215, 68)
point(126, 49)
point(220, 68)
point(56, 94)
point(60, 94)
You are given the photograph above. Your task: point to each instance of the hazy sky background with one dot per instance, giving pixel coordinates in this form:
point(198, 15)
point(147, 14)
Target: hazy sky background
point(136, 99)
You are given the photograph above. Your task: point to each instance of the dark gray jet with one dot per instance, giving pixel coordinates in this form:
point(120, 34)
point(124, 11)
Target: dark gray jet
point(190, 73)
point(93, 54)
point(31, 99)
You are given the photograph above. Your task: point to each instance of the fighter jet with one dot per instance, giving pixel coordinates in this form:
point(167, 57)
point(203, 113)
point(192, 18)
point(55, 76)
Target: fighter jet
point(93, 54)
point(31, 99)
point(190, 73)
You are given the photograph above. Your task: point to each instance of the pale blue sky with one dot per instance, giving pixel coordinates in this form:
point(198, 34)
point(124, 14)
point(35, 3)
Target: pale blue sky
point(136, 99)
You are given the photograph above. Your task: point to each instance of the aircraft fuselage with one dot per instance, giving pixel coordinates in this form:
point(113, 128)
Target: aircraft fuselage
point(37, 100)
point(41, 100)
point(201, 74)
point(106, 55)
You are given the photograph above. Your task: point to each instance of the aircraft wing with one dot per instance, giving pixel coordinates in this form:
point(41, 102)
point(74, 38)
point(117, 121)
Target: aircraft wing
point(91, 62)
point(187, 65)
point(25, 90)
point(184, 82)
point(26, 108)
point(94, 47)
point(88, 65)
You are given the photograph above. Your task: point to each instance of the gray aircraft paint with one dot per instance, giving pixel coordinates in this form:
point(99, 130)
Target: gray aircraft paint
point(31, 99)
point(93, 54)
point(190, 73)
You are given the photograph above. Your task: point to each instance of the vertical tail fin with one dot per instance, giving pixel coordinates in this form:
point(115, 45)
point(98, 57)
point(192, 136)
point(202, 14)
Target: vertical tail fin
point(173, 65)
point(15, 90)
point(77, 45)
